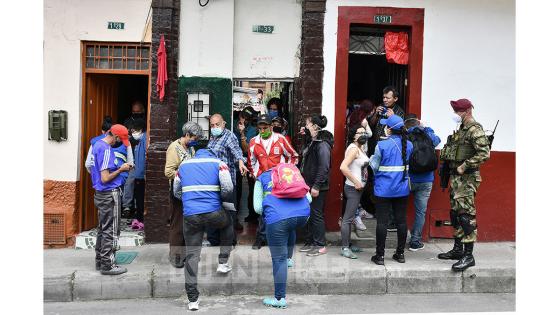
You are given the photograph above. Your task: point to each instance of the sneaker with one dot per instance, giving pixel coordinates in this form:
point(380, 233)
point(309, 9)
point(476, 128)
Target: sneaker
point(316, 251)
point(415, 246)
point(378, 260)
point(346, 252)
point(398, 257)
point(223, 268)
point(364, 214)
point(126, 213)
point(359, 224)
point(356, 249)
point(392, 227)
point(290, 262)
point(273, 302)
point(306, 248)
point(116, 270)
point(193, 306)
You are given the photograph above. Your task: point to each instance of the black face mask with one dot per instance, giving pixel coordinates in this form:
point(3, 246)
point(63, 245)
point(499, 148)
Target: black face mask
point(277, 129)
point(362, 140)
point(137, 115)
point(307, 132)
point(116, 145)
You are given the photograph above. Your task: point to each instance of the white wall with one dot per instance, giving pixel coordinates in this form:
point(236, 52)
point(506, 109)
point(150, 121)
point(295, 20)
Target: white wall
point(217, 40)
point(469, 52)
point(275, 55)
point(66, 23)
point(206, 39)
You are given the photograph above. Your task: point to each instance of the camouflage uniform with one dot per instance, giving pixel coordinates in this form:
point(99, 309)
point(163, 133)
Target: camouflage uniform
point(463, 187)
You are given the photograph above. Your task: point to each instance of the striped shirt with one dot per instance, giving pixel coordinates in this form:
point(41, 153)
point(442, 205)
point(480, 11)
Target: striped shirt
point(226, 147)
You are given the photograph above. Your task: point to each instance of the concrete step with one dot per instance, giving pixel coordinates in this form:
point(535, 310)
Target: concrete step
point(69, 274)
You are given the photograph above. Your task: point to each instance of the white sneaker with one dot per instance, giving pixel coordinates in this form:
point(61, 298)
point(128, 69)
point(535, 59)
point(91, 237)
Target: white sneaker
point(223, 268)
point(364, 214)
point(359, 224)
point(193, 306)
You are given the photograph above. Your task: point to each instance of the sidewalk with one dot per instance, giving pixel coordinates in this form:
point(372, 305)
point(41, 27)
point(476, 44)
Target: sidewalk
point(69, 274)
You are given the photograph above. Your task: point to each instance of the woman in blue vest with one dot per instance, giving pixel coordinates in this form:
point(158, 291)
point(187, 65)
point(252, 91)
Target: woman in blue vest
point(392, 185)
point(282, 217)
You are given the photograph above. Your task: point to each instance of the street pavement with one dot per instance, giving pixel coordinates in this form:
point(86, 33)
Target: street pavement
point(69, 274)
point(299, 304)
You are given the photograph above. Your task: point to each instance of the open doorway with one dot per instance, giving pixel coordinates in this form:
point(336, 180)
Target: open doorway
point(114, 76)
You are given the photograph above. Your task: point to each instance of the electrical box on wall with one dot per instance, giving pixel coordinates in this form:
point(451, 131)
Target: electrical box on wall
point(58, 125)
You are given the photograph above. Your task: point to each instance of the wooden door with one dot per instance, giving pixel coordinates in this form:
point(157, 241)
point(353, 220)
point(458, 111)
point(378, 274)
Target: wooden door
point(101, 100)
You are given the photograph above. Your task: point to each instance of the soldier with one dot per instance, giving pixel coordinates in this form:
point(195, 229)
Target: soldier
point(466, 149)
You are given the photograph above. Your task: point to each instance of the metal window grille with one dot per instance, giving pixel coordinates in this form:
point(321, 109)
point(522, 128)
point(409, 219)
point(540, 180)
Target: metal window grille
point(117, 57)
point(198, 110)
point(54, 229)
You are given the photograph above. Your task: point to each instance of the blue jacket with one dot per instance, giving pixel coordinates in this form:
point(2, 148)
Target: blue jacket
point(204, 184)
point(274, 208)
point(140, 158)
point(388, 168)
point(427, 177)
point(120, 158)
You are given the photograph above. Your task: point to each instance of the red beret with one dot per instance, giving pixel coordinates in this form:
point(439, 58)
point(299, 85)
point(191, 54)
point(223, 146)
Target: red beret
point(461, 105)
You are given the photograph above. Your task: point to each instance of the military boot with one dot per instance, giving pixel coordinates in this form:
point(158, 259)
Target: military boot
point(467, 260)
point(456, 253)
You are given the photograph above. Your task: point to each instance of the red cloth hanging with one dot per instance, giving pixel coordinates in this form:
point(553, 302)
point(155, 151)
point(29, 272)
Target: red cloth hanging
point(162, 68)
point(396, 47)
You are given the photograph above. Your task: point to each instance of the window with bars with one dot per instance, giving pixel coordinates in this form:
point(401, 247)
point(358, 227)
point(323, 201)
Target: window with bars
point(117, 57)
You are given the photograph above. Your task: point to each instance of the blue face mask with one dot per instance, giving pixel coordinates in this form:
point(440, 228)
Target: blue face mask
point(272, 113)
point(192, 143)
point(216, 132)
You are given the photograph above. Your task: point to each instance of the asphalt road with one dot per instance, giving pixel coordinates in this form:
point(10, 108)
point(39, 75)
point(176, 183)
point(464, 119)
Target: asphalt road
point(298, 304)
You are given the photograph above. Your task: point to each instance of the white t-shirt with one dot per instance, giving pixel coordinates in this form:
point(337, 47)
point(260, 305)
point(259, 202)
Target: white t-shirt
point(358, 167)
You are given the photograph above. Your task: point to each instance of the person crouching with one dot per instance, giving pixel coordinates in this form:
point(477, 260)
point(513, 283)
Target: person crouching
point(205, 186)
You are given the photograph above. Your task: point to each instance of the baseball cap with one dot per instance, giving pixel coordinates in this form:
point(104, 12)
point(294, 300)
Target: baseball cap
point(121, 132)
point(461, 105)
point(249, 112)
point(263, 119)
point(393, 122)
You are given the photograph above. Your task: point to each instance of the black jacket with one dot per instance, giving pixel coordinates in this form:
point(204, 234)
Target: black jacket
point(316, 162)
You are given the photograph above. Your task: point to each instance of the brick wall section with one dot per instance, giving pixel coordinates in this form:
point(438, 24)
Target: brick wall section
point(163, 119)
point(308, 88)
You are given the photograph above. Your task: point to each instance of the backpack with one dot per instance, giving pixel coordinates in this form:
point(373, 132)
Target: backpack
point(287, 182)
point(423, 158)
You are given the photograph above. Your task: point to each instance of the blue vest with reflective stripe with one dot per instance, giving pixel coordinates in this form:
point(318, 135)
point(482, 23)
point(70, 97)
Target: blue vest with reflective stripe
point(120, 158)
point(200, 181)
point(389, 181)
point(276, 209)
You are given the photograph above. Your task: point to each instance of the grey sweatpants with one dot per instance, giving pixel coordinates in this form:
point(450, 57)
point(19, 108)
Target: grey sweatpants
point(353, 197)
point(108, 205)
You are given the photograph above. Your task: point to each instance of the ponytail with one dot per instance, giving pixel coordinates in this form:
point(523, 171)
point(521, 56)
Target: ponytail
point(404, 139)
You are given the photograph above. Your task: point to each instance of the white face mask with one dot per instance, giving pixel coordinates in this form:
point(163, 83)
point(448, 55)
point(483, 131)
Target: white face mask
point(456, 118)
point(137, 135)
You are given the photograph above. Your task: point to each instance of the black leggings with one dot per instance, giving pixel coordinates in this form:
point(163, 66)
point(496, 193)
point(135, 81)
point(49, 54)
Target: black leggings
point(383, 207)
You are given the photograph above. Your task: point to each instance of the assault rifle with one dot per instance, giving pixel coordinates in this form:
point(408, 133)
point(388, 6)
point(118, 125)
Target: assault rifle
point(491, 137)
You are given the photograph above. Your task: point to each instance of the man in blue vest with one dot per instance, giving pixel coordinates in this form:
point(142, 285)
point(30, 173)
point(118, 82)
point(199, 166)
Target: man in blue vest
point(204, 184)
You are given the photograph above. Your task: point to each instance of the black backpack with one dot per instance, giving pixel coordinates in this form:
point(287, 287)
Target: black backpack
point(423, 158)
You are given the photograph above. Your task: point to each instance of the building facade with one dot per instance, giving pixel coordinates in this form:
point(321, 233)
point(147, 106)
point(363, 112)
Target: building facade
point(94, 67)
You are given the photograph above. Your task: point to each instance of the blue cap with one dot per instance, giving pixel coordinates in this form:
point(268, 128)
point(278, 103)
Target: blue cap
point(393, 122)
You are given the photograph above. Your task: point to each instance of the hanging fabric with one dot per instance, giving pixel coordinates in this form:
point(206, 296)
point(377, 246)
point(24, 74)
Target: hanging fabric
point(396, 47)
point(162, 68)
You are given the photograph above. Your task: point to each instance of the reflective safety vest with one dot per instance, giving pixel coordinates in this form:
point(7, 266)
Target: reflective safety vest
point(389, 180)
point(200, 182)
point(120, 158)
point(276, 209)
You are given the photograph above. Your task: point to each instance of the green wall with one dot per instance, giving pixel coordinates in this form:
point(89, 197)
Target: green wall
point(220, 90)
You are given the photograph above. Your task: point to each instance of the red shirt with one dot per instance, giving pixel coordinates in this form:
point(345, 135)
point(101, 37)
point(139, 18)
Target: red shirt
point(281, 151)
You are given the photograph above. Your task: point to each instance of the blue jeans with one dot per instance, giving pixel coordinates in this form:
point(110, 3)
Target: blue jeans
point(421, 193)
point(281, 238)
point(128, 196)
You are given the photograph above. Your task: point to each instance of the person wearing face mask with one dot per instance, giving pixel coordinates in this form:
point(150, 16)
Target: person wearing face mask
point(178, 151)
point(316, 167)
point(267, 150)
point(274, 108)
point(137, 112)
point(354, 168)
point(392, 185)
point(139, 173)
point(106, 179)
point(465, 151)
point(225, 145)
point(279, 125)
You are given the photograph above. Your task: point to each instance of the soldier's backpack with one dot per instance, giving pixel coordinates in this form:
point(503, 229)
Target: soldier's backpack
point(423, 158)
point(287, 182)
